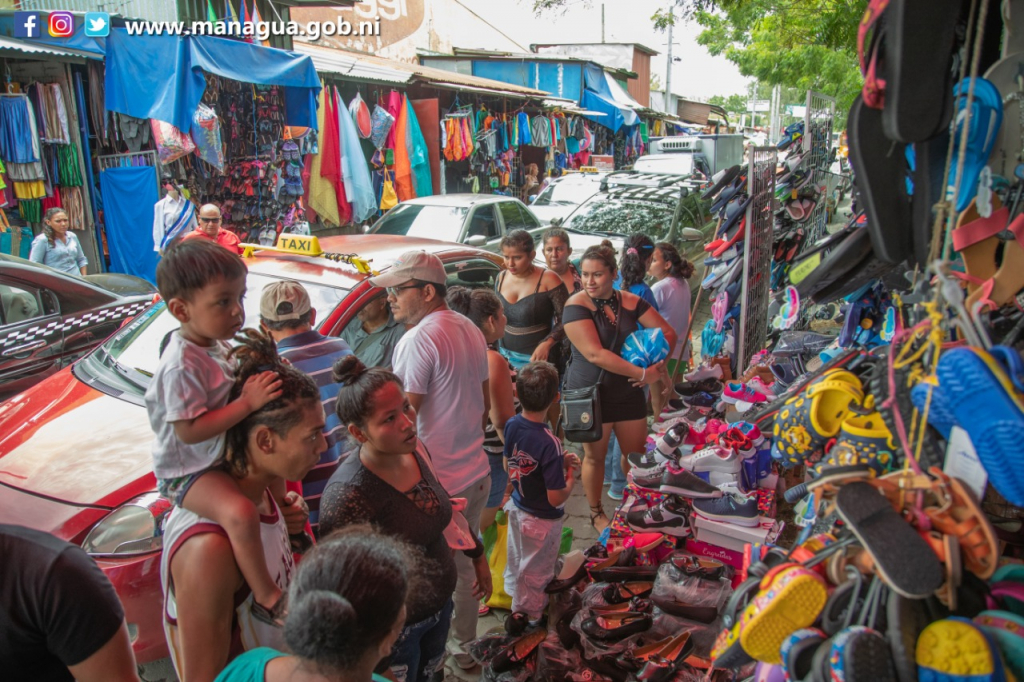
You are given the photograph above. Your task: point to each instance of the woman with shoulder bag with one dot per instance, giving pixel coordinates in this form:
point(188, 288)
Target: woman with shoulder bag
point(597, 321)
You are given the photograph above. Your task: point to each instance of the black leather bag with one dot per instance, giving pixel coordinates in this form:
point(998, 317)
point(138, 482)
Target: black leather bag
point(581, 407)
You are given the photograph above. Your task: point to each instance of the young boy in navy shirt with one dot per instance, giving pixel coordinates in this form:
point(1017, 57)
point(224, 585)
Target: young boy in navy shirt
point(542, 480)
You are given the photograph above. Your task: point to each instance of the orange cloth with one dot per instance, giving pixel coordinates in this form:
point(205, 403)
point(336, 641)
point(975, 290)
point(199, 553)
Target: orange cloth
point(403, 165)
point(226, 238)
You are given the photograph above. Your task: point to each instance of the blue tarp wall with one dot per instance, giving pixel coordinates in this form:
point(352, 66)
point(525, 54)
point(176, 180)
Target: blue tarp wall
point(561, 79)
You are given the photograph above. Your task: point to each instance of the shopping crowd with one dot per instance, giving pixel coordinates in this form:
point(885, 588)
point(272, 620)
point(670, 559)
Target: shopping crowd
point(408, 433)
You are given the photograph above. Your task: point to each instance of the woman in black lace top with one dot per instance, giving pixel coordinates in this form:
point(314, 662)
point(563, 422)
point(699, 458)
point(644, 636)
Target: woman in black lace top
point(598, 320)
point(391, 484)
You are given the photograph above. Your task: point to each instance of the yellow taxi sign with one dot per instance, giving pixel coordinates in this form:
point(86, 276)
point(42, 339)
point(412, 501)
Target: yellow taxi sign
point(589, 169)
point(307, 245)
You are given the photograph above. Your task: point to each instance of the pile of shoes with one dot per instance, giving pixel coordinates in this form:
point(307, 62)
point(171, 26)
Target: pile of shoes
point(612, 619)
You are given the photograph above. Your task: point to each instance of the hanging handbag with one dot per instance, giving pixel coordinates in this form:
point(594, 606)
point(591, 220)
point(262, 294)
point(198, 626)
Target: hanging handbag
point(581, 407)
point(388, 197)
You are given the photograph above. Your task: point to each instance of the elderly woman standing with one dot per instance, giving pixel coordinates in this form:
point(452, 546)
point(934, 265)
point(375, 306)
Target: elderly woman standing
point(57, 247)
point(597, 321)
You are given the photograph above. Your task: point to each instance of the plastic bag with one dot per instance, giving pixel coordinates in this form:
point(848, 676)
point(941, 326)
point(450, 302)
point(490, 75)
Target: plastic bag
point(207, 138)
point(361, 116)
point(171, 143)
point(554, 661)
point(645, 347)
point(497, 560)
point(703, 596)
point(380, 125)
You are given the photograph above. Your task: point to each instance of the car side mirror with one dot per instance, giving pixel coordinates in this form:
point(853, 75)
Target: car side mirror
point(476, 240)
point(689, 234)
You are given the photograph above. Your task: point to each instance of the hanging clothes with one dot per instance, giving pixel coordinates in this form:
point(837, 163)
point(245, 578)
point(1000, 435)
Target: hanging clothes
point(16, 125)
point(394, 108)
point(403, 166)
point(344, 206)
point(419, 157)
point(322, 197)
point(355, 171)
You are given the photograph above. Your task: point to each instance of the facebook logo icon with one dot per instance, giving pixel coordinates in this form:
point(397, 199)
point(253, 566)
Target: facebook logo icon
point(26, 25)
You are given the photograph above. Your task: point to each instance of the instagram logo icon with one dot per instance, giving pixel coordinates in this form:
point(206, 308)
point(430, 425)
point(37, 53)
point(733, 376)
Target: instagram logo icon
point(62, 24)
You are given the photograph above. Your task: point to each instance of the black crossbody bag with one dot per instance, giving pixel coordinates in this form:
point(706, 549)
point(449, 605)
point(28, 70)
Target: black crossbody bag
point(581, 407)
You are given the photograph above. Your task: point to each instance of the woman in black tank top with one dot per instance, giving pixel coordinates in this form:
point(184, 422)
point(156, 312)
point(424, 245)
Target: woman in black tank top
point(532, 298)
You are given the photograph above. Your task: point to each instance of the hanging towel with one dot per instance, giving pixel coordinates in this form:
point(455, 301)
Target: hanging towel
point(419, 157)
point(403, 166)
point(344, 205)
point(355, 171)
point(322, 197)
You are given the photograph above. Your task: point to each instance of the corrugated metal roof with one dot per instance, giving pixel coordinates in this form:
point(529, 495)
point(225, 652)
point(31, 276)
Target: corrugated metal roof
point(34, 48)
point(349, 66)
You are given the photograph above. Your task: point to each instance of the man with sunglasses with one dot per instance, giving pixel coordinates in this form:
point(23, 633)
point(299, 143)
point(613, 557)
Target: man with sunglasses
point(209, 227)
point(442, 360)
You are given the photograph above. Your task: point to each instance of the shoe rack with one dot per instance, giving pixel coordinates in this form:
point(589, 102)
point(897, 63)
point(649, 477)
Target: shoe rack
point(757, 255)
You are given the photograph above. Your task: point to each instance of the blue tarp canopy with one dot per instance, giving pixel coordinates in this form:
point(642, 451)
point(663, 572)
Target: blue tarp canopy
point(161, 76)
point(601, 93)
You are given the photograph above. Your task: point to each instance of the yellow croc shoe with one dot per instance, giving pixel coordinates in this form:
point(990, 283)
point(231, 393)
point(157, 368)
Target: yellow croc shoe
point(957, 650)
point(791, 598)
point(809, 419)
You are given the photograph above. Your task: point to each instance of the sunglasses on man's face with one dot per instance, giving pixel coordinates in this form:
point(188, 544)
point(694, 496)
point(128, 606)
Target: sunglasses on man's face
point(393, 291)
point(203, 219)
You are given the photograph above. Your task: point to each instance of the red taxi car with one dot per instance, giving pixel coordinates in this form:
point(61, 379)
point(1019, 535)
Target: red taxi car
point(75, 449)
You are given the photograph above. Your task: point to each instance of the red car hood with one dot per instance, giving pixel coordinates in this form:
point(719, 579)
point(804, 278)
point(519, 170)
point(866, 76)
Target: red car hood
point(67, 441)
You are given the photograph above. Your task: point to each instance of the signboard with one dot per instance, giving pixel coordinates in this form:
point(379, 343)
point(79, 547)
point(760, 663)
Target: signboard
point(376, 23)
point(603, 162)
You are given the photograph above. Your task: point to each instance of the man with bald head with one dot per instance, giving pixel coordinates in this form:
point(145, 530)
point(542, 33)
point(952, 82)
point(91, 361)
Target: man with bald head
point(210, 228)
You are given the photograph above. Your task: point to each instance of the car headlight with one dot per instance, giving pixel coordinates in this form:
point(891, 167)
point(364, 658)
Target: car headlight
point(135, 527)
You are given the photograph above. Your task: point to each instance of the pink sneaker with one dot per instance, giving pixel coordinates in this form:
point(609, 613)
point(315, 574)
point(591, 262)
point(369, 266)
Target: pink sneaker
point(736, 392)
point(762, 388)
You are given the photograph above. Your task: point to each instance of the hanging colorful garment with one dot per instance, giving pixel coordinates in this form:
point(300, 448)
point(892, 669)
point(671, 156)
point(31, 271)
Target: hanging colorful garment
point(207, 138)
point(381, 123)
point(322, 197)
point(394, 107)
point(17, 126)
point(403, 166)
point(468, 145)
point(523, 123)
point(344, 205)
point(68, 172)
point(355, 171)
point(419, 157)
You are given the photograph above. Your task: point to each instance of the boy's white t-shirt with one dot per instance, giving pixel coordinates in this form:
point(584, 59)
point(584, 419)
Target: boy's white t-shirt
point(189, 381)
point(673, 298)
point(444, 358)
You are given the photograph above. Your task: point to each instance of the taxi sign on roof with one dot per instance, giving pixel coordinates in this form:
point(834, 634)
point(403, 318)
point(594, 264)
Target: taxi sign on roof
point(304, 245)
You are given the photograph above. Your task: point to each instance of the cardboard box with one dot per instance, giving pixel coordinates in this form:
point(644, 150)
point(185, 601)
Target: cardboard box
point(726, 556)
point(731, 536)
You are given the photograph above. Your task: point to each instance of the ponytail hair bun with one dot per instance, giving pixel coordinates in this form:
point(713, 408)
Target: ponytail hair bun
point(348, 370)
point(320, 623)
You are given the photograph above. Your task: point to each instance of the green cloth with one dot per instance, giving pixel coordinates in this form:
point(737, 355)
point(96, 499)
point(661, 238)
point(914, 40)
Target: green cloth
point(251, 666)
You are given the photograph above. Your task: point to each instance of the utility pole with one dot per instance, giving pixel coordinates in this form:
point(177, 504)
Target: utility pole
point(602, 23)
point(668, 66)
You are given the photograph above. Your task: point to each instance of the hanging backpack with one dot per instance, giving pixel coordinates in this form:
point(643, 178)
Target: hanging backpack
point(388, 197)
point(361, 116)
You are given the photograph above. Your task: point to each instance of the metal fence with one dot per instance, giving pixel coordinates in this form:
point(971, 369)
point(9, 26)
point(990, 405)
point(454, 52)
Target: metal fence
point(821, 112)
point(757, 255)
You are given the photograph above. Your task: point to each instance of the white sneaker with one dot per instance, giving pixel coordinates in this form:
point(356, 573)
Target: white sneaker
point(712, 458)
point(704, 372)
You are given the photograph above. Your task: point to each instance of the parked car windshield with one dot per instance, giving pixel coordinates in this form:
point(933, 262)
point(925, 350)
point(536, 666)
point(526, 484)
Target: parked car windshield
point(136, 348)
point(624, 214)
point(570, 191)
point(417, 220)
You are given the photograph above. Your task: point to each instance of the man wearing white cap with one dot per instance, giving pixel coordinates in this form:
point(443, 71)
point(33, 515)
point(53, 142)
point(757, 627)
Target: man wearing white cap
point(442, 360)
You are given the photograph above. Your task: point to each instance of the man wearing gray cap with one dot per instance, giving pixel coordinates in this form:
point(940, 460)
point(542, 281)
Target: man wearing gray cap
point(287, 316)
point(442, 360)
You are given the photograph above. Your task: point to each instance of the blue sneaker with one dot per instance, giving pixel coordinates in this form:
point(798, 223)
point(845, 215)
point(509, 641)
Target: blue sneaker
point(734, 508)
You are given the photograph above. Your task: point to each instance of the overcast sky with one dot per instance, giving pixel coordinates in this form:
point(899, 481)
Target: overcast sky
point(698, 75)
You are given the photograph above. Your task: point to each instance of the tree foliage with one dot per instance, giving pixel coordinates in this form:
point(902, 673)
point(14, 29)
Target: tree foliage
point(803, 44)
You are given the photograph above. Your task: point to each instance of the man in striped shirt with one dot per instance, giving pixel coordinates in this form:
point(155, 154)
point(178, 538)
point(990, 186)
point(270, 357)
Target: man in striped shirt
point(288, 317)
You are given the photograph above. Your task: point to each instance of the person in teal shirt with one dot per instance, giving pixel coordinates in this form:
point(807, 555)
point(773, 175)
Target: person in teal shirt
point(346, 610)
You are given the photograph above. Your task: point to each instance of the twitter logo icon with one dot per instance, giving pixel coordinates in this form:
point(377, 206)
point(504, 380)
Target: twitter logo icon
point(97, 24)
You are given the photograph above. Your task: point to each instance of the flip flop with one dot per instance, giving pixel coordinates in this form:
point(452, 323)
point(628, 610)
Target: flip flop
point(919, 40)
point(817, 271)
point(901, 557)
point(860, 654)
point(984, 121)
point(975, 238)
point(1009, 278)
point(721, 180)
point(987, 405)
point(881, 188)
point(928, 163)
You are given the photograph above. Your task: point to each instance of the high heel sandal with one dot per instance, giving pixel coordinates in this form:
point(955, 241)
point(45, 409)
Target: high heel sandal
point(596, 513)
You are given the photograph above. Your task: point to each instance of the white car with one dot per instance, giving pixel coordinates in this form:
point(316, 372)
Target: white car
point(563, 194)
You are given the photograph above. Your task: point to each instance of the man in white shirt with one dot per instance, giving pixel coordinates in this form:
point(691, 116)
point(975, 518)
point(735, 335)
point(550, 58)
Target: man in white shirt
point(173, 216)
point(442, 360)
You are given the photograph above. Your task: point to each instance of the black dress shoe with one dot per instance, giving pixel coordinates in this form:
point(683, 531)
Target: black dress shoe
point(702, 567)
point(620, 574)
point(638, 604)
point(519, 650)
point(616, 626)
point(659, 661)
point(616, 593)
point(574, 568)
point(674, 607)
